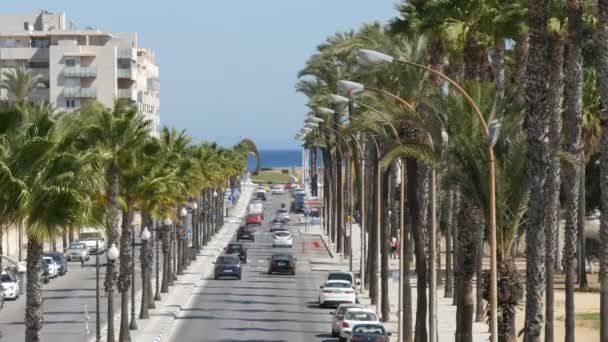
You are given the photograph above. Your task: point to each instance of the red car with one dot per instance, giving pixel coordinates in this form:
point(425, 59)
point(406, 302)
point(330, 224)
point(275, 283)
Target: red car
point(254, 219)
point(288, 186)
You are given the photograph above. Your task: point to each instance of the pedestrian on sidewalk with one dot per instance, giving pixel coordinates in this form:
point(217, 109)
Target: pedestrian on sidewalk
point(397, 248)
point(393, 247)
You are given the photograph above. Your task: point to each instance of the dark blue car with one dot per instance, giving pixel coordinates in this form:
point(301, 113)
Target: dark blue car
point(369, 333)
point(227, 266)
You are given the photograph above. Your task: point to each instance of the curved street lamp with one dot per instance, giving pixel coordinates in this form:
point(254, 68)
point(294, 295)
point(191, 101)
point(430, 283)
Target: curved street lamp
point(369, 57)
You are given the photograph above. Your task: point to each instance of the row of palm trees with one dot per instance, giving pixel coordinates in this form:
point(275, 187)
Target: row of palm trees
point(537, 71)
point(97, 167)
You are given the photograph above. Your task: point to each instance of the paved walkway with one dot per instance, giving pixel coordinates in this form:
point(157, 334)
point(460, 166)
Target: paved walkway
point(446, 312)
point(158, 327)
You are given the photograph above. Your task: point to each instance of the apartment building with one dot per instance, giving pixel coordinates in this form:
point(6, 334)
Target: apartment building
point(79, 65)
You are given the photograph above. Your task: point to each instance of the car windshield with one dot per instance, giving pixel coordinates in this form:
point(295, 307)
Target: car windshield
point(369, 329)
point(281, 234)
point(340, 276)
point(225, 260)
point(235, 247)
point(77, 246)
point(7, 278)
point(282, 211)
point(361, 316)
point(48, 261)
point(338, 285)
point(89, 236)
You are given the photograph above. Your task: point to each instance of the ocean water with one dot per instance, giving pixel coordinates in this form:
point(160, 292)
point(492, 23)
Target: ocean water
point(277, 158)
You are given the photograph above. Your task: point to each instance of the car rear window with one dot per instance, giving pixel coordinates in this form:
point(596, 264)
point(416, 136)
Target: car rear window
point(235, 247)
point(281, 234)
point(281, 257)
point(338, 285)
point(369, 329)
point(361, 316)
point(77, 246)
point(225, 260)
point(7, 278)
point(340, 276)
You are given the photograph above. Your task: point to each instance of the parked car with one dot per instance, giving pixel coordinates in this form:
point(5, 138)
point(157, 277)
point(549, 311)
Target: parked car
point(335, 292)
point(283, 215)
point(356, 317)
point(253, 219)
point(60, 260)
point(227, 266)
point(245, 233)
point(277, 190)
point(10, 285)
point(368, 332)
point(338, 315)
point(282, 263)
point(77, 251)
point(237, 249)
point(260, 194)
point(282, 239)
point(93, 239)
point(53, 267)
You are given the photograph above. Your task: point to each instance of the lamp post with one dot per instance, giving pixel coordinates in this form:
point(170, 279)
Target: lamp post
point(145, 237)
point(215, 213)
point(182, 245)
point(365, 56)
point(112, 255)
point(167, 277)
point(97, 311)
point(195, 227)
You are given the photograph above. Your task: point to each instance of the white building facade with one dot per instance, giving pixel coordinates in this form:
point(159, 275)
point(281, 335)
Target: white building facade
point(80, 65)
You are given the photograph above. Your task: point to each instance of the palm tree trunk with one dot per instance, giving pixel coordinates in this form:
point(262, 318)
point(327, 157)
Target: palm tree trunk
point(479, 308)
point(385, 246)
point(498, 67)
point(582, 250)
point(602, 69)
point(166, 249)
point(126, 269)
point(456, 244)
point(519, 75)
point(449, 216)
point(472, 56)
point(145, 259)
point(469, 220)
point(404, 256)
point(112, 194)
point(538, 163)
point(374, 252)
point(573, 120)
point(180, 246)
point(33, 306)
point(417, 208)
point(556, 87)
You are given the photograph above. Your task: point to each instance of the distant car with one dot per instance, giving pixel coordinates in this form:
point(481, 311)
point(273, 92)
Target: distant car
point(283, 215)
point(282, 239)
point(245, 233)
point(368, 332)
point(356, 317)
point(277, 226)
point(261, 195)
point(277, 190)
point(53, 267)
point(227, 266)
point(10, 285)
point(93, 239)
point(253, 219)
point(342, 275)
point(60, 260)
point(338, 316)
point(335, 292)
point(237, 249)
point(282, 263)
point(77, 251)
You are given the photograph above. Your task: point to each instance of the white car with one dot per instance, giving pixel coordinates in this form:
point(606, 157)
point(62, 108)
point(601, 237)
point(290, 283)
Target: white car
point(336, 292)
point(282, 238)
point(53, 267)
point(10, 285)
point(278, 190)
point(283, 215)
point(338, 316)
point(353, 317)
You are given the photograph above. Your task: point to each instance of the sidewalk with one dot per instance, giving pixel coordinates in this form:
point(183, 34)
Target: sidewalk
point(446, 312)
point(161, 321)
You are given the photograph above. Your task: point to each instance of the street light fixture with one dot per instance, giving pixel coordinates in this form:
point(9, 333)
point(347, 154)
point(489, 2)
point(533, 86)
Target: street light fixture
point(350, 86)
point(368, 57)
point(113, 254)
point(145, 236)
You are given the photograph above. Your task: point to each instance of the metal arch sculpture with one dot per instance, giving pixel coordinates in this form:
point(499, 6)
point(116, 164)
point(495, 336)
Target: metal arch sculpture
point(251, 148)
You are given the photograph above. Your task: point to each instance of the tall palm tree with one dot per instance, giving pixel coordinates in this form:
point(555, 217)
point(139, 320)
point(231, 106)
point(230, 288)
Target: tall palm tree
point(601, 41)
point(20, 82)
point(116, 134)
point(538, 163)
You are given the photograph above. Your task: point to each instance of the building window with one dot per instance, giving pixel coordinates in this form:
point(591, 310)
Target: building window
point(70, 62)
point(70, 103)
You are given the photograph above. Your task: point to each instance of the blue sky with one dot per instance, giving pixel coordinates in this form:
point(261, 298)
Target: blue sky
point(228, 68)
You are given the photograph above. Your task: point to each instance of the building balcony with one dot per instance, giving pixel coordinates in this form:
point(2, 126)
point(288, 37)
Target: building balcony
point(127, 94)
point(79, 92)
point(126, 73)
point(126, 53)
point(80, 71)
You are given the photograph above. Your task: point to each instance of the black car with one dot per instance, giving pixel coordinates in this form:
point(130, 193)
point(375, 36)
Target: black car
point(369, 332)
point(60, 260)
point(238, 249)
point(245, 233)
point(260, 195)
point(227, 266)
point(282, 263)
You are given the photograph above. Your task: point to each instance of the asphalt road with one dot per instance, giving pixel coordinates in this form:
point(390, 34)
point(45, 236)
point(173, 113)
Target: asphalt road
point(261, 307)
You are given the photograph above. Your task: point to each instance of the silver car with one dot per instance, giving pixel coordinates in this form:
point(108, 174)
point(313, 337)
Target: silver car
point(77, 251)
